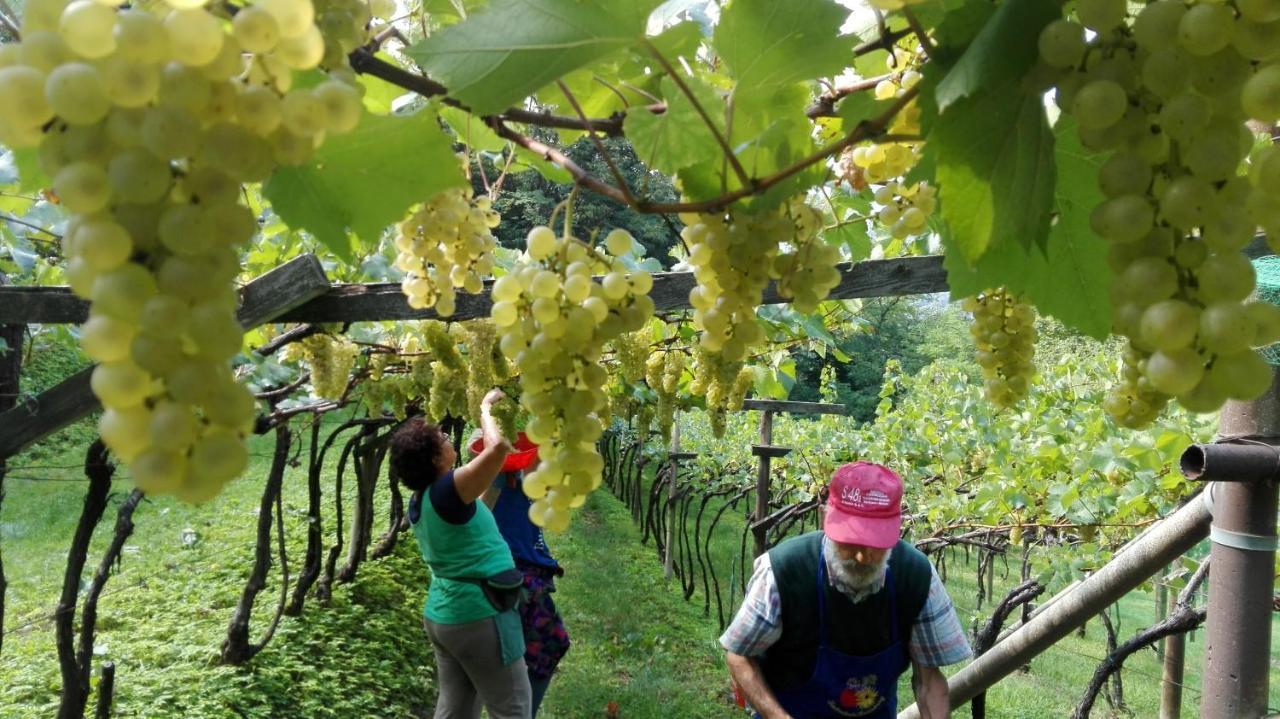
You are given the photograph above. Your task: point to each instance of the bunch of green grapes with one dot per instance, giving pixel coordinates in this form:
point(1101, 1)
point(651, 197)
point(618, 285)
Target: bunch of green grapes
point(378, 364)
point(346, 24)
point(903, 209)
point(631, 350)
point(713, 380)
point(149, 123)
point(331, 360)
point(806, 270)
point(482, 337)
point(555, 319)
point(1003, 329)
point(732, 258)
point(446, 244)
point(506, 412)
point(1166, 95)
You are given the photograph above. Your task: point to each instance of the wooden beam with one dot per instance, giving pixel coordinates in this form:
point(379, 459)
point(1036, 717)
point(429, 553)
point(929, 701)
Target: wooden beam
point(279, 290)
point(777, 405)
point(385, 301)
point(380, 301)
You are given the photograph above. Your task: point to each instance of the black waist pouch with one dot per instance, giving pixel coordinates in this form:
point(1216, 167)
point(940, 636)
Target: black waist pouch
point(503, 590)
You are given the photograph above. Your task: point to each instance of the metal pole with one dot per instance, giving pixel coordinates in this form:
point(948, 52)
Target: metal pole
point(762, 481)
point(1238, 628)
point(1162, 543)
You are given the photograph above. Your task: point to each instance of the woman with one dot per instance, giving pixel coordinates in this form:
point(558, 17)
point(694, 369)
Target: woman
point(545, 638)
point(479, 644)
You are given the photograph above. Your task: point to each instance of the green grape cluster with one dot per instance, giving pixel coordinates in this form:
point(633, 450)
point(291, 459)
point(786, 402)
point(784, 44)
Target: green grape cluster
point(445, 245)
point(148, 121)
point(662, 373)
point(506, 412)
point(806, 270)
point(1004, 332)
point(555, 319)
point(450, 375)
point(631, 350)
point(723, 385)
point(378, 364)
point(482, 338)
point(904, 210)
point(331, 360)
point(1166, 94)
point(345, 26)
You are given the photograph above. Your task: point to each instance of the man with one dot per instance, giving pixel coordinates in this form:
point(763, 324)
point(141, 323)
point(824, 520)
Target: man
point(832, 619)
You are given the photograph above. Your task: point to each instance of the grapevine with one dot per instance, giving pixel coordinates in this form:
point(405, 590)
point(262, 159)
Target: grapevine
point(1003, 329)
point(446, 245)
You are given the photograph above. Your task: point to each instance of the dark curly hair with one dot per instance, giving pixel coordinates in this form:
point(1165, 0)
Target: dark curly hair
point(415, 449)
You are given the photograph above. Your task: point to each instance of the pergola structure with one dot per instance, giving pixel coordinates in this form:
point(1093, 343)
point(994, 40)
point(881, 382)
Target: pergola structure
point(1241, 521)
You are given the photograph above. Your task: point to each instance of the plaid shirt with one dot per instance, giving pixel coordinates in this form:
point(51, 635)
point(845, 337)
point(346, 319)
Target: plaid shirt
point(937, 638)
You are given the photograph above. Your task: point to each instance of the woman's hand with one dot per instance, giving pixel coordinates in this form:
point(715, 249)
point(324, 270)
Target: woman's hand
point(491, 397)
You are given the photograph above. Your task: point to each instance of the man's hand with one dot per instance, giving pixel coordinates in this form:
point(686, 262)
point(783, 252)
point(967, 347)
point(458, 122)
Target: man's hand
point(491, 397)
point(933, 698)
point(750, 680)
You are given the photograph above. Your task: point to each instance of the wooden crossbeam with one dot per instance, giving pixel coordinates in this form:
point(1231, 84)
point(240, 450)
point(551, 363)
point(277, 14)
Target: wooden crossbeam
point(262, 299)
point(777, 405)
point(381, 301)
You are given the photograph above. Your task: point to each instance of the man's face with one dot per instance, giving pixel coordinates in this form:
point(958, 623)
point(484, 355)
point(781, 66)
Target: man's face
point(857, 571)
point(862, 555)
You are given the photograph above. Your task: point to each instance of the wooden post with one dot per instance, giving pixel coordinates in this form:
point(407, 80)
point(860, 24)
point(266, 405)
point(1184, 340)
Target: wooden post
point(1175, 647)
point(1162, 608)
point(10, 373)
point(668, 560)
point(762, 481)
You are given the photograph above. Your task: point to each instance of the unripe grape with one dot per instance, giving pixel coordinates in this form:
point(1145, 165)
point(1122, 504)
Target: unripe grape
point(1175, 371)
point(120, 384)
point(1206, 29)
point(85, 26)
point(106, 339)
point(1099, 104)
point(195, 36)
point(255, 29)
point(541, 242)
point(619, 242)
point(1260, 95)
point(1156, 25)
point(125, 431)
point(1241, 376)
point(1101, 15)
point(75, 91)
point(1170, 325)
point(1225, 277)
point(1226, 328)
point(1061, 44)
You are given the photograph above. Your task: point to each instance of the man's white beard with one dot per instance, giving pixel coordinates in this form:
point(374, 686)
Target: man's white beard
point(855, 581)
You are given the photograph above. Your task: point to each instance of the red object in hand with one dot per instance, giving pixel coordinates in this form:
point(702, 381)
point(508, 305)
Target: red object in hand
point(523, 455)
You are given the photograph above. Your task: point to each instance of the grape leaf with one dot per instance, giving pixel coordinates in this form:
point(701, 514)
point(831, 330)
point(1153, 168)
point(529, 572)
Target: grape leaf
point(366, 179)
point(767, 43)
point(678, 137)
point(1069, 278)
point(995, 173)
point(1001, 53)
point(500, 55)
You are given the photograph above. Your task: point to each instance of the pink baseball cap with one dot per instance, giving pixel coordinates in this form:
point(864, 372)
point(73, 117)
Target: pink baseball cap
point(864, 506)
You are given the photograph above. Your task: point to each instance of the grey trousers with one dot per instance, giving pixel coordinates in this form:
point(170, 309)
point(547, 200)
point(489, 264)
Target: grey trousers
point(471, 673)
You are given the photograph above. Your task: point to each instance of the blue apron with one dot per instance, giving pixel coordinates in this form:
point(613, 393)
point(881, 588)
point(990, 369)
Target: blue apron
point(844, 685)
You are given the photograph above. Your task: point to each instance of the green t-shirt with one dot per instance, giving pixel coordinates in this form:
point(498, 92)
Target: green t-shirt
point(473, 548)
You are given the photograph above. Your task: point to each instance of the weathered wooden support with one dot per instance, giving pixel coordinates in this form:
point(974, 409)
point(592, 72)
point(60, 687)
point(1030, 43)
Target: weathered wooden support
point(10, 373)
point(263, 299)
point(1160, 544)
point(778, 405)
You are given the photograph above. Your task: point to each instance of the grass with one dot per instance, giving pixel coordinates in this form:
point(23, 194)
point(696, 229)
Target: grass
point(637, 644)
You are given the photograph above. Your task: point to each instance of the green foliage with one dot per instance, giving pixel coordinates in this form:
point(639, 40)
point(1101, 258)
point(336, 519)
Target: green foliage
point(1070, 278)
point(366, 179)
point(767, 44)
point(995, 171)
point(512, 48)
point(1000, 54)
point(678, 137)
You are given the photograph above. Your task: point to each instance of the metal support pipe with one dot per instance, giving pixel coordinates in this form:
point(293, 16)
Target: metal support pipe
point(1238, 628)
point(1162, 543)
point(1228, 462)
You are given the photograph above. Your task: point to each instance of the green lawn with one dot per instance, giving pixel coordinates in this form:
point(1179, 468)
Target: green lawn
point(637, 643)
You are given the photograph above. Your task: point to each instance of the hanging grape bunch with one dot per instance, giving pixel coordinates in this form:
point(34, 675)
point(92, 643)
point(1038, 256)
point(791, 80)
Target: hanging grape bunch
point(148, 121)
point(555, 318)
point(445, 245)
point(331, 359)
point(806, 271)
point(1166, 96)
point(1004, 332)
